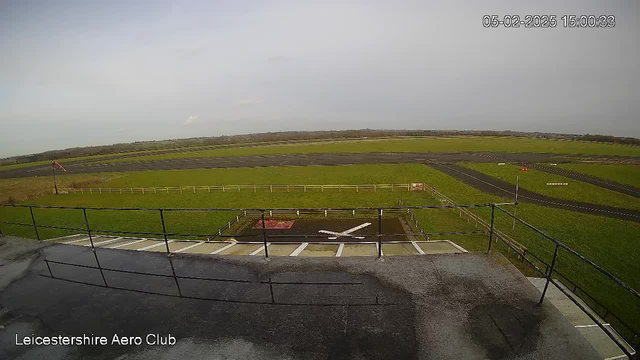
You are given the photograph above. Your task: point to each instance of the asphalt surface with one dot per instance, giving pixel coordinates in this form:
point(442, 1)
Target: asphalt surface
point(417, 307)
point(302, 160)
point(440, 161)
point(499, 187)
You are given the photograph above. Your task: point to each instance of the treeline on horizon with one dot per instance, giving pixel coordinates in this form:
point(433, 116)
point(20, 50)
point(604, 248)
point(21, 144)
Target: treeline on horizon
point(294, 136)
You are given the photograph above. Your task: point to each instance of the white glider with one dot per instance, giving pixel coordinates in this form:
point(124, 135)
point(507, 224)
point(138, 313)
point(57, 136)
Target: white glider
point(346, 233)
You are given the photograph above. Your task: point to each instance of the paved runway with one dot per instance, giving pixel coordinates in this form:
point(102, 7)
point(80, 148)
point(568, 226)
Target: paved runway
point(499, 187)
point(302, 160)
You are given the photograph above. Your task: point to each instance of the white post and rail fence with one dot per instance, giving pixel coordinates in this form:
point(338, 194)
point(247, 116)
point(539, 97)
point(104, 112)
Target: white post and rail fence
point(251, 188)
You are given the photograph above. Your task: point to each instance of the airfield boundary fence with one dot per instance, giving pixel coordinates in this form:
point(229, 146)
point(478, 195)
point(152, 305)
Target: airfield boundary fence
point(621, 329)
point(240, 188)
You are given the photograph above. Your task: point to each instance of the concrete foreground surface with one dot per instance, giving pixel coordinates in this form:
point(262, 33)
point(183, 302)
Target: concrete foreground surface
point(450, 306)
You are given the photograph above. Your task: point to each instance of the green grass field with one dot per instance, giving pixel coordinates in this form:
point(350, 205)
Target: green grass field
point(609, 242)
point(624, 174)
point(20, 189)
point(536, 181)
point(454, 144)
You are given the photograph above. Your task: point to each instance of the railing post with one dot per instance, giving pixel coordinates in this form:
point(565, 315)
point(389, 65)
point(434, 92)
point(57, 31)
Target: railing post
point(493, 216)
point(379, 233)
point(164, 232)
point(33, 219)
point(86, 221)
point(264, 236)
point(553, 264)
point(48, 267)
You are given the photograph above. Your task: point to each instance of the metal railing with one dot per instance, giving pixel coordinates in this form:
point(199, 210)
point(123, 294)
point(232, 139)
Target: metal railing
point(370, 211)
point(268, 285)
point(629, 333)
point(239, 188)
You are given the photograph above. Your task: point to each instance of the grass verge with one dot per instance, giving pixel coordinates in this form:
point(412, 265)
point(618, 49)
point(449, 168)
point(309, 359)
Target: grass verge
point(624, 174)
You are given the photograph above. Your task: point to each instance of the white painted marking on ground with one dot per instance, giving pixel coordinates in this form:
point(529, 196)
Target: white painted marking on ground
point(221, 249)
point(299, 249)
point(346, 233)
point(126, 244)
point(418, 249)
point(154, 245)
point(75, 241)
point(106, 241)
point(591, 325)
point(340, 248)
point(189, 247)
point(260, 249)
point(457, 246)
point(62, 237)
point(616, 357)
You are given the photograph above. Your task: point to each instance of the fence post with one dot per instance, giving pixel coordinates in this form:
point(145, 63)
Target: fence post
point(33, 219)
point(271, 188)
point(194, 189)
point(493, 216)
point(86, 221)
point(164, 231)
point(264, 236)
point(209, 188)
point(379, 233)
point(553, 264)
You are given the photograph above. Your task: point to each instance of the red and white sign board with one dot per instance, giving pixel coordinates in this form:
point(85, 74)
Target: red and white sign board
point(417, 187)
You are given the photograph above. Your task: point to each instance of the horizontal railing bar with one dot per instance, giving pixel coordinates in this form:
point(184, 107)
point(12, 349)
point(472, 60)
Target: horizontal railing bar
point(593, 318)
point(205, 278)
point(217, 300)
point(573, 252)
point(252, 209)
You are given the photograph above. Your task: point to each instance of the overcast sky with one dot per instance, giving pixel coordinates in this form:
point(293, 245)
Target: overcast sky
point(99, 72)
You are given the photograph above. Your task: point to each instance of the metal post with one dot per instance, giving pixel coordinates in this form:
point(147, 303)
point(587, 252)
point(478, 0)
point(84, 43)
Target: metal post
point(55, 185)
point(95, 255)
point(48, 267)
point(264, 235)
point(33, 219)
point(271, 290)
point(379, 233)
point(515, 205)
point(493, 216)
point(553, 264)
point(86, 221)
point(173, 271)
point(164, 232)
